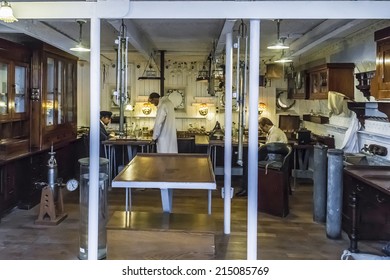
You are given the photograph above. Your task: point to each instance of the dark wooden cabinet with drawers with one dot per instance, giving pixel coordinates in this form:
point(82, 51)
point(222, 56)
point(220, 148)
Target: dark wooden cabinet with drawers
point(366, 204)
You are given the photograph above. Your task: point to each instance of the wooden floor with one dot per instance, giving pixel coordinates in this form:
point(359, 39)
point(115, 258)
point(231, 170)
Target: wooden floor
point(295, 237)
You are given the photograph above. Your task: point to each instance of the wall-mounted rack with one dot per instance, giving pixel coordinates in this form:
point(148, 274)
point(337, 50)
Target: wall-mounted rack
point(366, 110)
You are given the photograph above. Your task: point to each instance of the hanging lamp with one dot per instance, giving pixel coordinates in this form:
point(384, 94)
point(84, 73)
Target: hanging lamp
point(203, 75)
point(6, 13)
point(279, 44)
point(80, 47)
point(283, 58)
point(149, 72)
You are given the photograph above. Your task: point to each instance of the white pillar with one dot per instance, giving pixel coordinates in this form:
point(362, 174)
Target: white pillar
point(254, 65)
point(228, 133)
point(94, 141)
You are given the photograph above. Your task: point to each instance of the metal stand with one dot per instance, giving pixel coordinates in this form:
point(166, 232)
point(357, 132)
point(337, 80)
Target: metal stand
point(51, 212)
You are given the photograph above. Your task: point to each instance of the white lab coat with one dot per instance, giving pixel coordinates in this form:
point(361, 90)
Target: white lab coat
point(275, 134)
point(164, 130)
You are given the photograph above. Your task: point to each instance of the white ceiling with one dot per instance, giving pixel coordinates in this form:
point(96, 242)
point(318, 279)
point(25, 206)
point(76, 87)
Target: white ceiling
point(187, 36)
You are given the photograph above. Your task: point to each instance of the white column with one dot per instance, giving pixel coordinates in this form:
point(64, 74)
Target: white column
point(254, 65)
point(228, 133)
point(94, 141)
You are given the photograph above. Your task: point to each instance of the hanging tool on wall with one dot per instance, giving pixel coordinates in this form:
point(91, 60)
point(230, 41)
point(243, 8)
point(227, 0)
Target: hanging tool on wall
point(121, 75)
point(241, 85)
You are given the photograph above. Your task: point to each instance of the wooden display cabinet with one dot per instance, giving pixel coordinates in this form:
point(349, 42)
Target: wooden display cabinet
point(331, 77)
point(381, 81)
point(8, 193)
point(366, 204)
point(55, 105)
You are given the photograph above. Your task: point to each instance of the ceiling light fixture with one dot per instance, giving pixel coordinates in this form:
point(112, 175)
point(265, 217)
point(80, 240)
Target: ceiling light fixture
point(261, 107)
point(80, 47)
point(149, 72)
point(6, 13)
point(279, 45)
point(283, 59)
point(203, 75)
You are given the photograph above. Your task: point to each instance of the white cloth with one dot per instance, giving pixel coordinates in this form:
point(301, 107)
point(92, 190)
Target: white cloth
point(164, 130)
point(350, 142)
point(275, 134)
point(335, 102)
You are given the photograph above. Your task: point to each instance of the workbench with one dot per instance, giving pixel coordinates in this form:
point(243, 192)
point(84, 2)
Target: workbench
point(168, 172)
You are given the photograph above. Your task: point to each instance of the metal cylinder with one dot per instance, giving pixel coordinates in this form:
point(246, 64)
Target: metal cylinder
point(52, 173)
point(334, 193)
point(84, 206)
point(319, 183)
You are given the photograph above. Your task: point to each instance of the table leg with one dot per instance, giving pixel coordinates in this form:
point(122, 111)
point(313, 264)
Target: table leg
point(129, 152)
point(295, 168)
point(107, 151)
point(128, 200)
point(209, 202)
point(166, 200)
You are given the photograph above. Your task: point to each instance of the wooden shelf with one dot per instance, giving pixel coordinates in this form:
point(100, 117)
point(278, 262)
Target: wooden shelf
point(316, 119)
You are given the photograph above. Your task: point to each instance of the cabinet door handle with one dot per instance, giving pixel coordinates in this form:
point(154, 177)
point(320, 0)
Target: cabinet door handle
point(380, 199)
point(360, 188)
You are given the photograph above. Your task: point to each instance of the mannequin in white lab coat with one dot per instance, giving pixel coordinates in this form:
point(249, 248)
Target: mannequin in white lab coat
point(164, 130)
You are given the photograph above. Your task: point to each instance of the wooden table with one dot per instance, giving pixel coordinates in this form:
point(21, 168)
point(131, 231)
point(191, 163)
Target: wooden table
point(168, 172)
point(130, 143)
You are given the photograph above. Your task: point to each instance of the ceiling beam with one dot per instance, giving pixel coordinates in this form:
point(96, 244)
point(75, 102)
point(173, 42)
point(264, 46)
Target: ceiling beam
point(142, 44)
point(221, 43)
point(320, 34)
point(111, 9)
point(49, 35)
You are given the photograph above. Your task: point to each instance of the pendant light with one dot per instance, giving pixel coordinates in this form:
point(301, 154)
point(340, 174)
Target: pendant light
point(80, 47)
point(150, 73)
point(6, 13)
point(279, 44)
point(283, 58)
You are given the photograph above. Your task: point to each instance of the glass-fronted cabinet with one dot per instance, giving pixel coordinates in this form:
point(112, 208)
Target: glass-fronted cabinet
point(4, 77)
point(20, 91)
point(58, 98)
point(331, 77)
point(13, 90)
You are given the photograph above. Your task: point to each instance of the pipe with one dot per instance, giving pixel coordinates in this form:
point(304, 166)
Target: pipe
point(121, 83)
point(242, 93)
point(93, 211)
point(228, 191)
point(162, 72)
point(335, 193)
point(319, 183)
point(253, 139)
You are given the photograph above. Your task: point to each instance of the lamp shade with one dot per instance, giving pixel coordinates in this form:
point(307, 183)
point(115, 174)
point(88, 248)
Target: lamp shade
point(283, 60)
point(6, 13)
point(203, 109)
point(261, 107)
point(146, 108)
point(80, 47)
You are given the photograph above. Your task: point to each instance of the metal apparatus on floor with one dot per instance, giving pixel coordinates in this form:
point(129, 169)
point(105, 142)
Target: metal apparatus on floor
point(51, 211)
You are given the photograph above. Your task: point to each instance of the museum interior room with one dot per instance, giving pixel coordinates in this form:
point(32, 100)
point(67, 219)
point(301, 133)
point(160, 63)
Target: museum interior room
point(321, 74)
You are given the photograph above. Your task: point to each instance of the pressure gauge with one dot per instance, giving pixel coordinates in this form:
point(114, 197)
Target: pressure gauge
point(72, 185)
